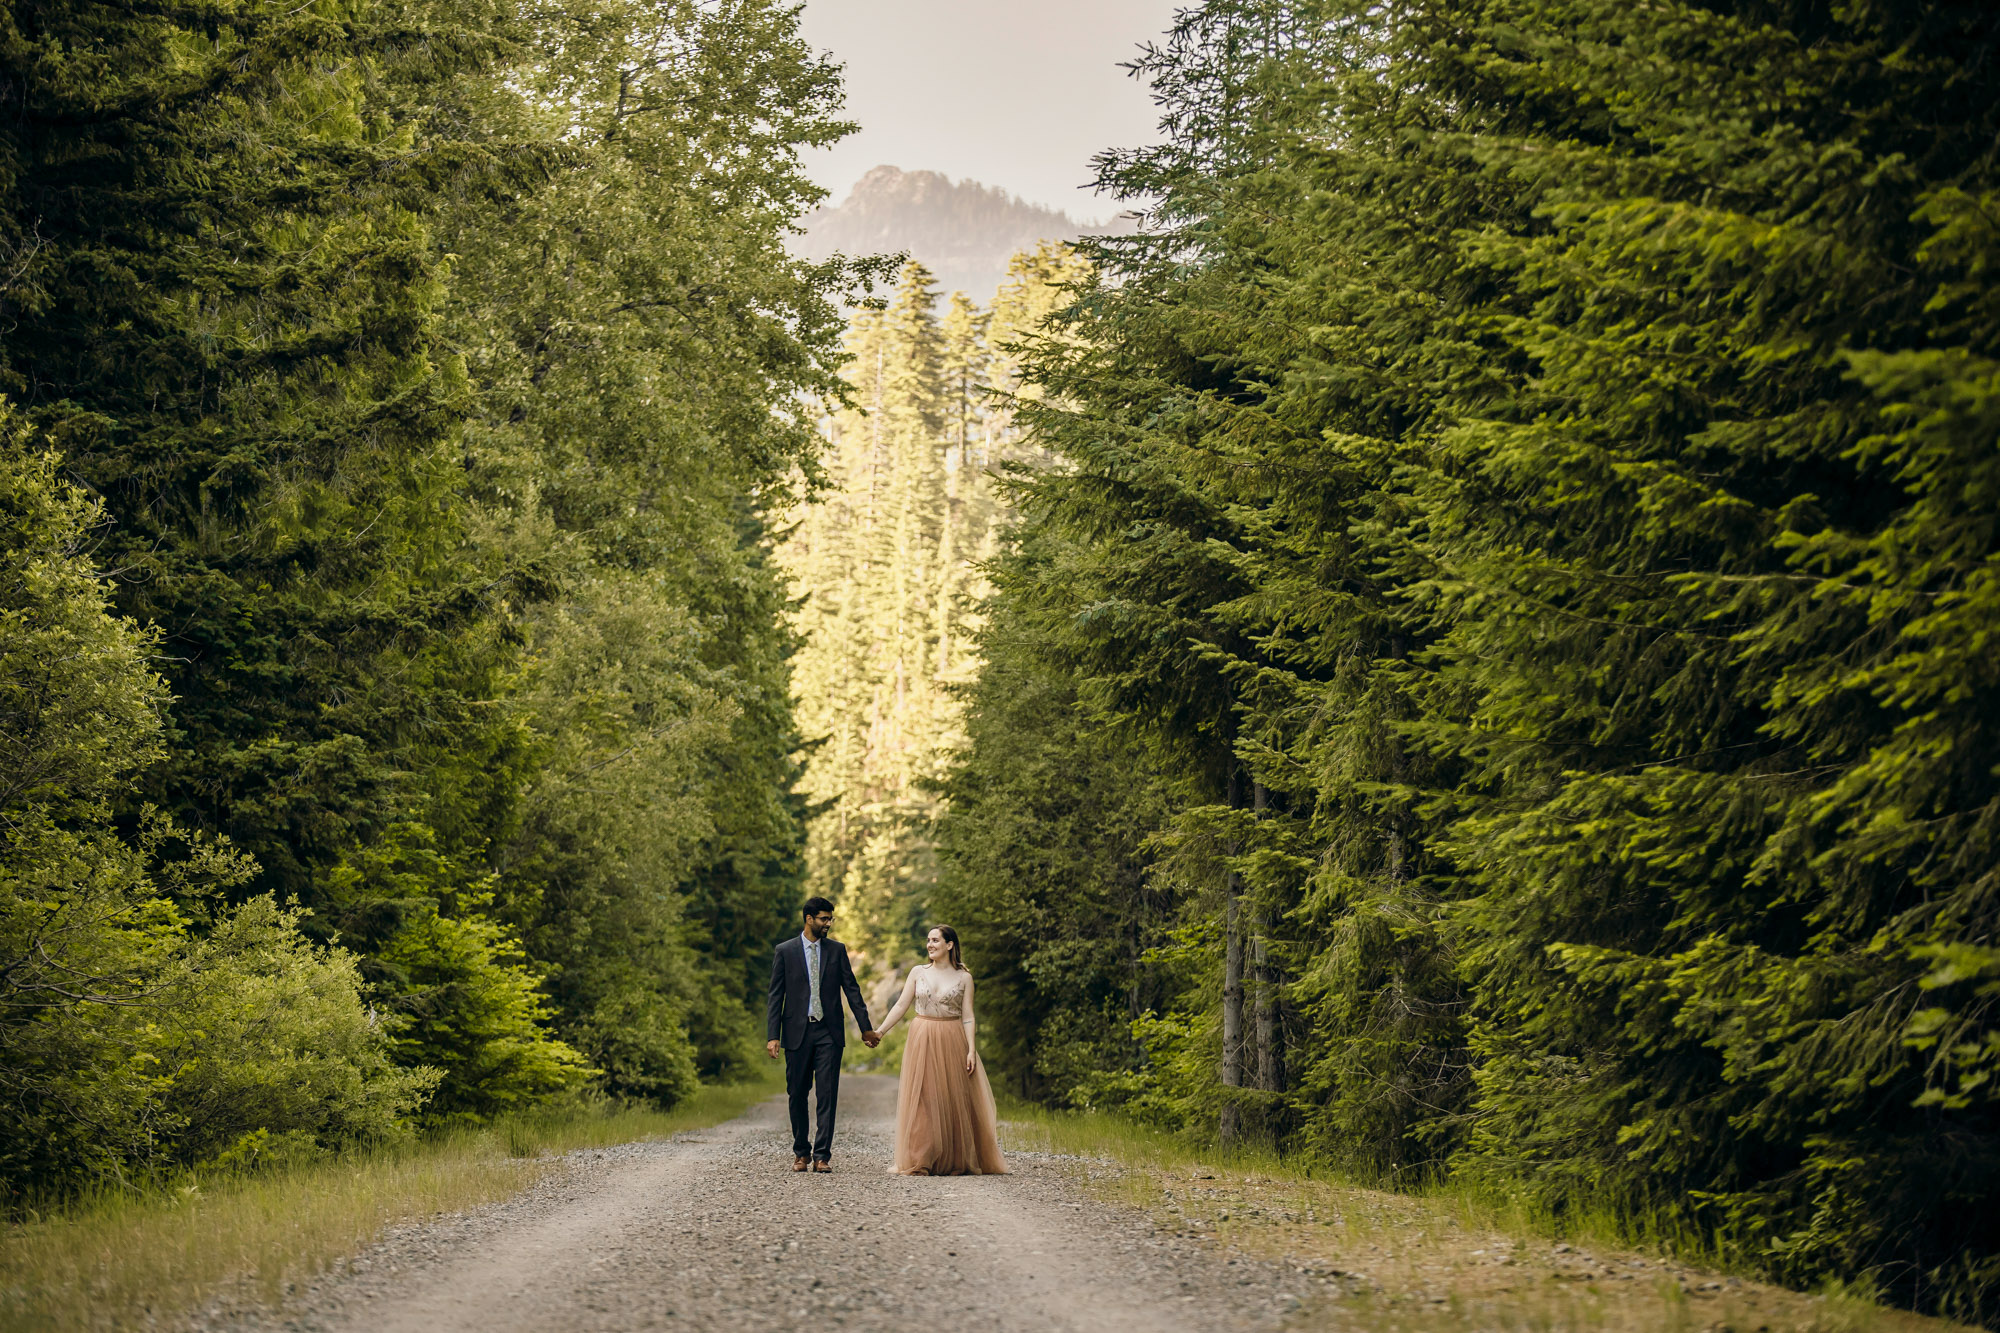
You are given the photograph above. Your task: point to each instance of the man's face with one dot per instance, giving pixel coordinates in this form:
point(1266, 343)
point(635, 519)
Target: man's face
point(819, 924)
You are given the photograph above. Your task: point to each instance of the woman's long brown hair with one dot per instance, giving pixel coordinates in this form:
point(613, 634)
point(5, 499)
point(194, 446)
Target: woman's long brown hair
point(951, 938)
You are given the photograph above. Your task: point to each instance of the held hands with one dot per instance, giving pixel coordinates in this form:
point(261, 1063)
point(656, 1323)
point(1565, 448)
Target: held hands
point(873, 1039)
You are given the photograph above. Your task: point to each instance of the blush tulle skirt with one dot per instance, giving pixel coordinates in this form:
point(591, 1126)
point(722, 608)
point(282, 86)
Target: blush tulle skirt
point(946, 1124)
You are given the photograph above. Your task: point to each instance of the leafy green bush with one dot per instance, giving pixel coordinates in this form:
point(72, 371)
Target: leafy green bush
point(452, 982)
point(470, 1008)
point(87, 948)
point(273, 1051)
point(126, 1044)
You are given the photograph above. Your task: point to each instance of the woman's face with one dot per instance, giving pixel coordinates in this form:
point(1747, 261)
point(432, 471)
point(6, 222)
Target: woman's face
point(935, 946)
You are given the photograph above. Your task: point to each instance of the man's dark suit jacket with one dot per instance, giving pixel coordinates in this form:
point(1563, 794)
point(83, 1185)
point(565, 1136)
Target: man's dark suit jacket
point(789, 981)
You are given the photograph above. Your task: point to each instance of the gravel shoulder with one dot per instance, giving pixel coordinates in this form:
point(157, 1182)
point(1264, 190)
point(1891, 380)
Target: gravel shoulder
point(713, 1230)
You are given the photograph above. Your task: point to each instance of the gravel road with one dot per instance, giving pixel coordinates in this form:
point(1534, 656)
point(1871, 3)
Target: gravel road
point(713, 1230)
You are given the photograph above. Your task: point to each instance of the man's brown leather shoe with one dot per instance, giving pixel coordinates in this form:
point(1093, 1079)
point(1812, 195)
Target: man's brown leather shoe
point(822, 1166)
point(798, 1164)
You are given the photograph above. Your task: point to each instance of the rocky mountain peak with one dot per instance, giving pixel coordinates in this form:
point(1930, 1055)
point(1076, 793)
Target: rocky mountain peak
point(963, 231)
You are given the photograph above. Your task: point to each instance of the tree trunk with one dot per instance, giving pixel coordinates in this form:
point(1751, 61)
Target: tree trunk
point(1232, 988)
point(1263, 983)
point(1270, 1054)
point(1232, 1005)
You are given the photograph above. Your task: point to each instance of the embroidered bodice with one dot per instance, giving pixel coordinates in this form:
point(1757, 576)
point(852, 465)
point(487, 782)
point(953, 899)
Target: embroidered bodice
point(940, 994)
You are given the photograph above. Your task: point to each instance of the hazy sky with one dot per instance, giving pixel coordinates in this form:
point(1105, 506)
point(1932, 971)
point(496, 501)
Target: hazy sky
point(1013, 93)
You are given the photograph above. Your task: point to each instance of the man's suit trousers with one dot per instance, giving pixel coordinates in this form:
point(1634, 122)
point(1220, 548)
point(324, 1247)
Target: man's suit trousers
point(814, 1063)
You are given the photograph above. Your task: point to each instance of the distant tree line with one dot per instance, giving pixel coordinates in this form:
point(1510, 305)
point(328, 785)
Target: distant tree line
point(395, 680)
point(886, 564)
point(1500, 678)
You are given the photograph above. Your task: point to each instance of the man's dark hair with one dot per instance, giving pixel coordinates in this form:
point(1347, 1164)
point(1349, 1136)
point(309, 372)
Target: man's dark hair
point(814, 906)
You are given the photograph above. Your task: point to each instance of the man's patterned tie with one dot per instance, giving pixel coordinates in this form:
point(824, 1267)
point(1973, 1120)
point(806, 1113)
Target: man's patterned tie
point(812, 974)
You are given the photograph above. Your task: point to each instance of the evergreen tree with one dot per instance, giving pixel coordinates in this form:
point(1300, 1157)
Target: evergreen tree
point(1710, 565)
point(226, 319)
point(1543, 448)
point(890, 560)
point(1044, 869)
point(880, 559)
point(462, 581)
point(128, 1045)
point(222, 314)
point(639, 343)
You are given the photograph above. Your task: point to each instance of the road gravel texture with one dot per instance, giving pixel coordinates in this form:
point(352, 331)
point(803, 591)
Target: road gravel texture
point(713, 1230)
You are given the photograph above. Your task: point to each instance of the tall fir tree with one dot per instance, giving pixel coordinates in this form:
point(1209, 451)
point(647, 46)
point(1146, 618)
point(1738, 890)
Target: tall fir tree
point(222, 312)
point(640, 343)
point(888, 561)
point(462, 580)
point(1554, 442)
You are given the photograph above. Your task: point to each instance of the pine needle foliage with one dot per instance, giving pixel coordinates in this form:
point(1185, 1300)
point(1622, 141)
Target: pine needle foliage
point(1543, 452)
point(403, 395)
point(888, 563)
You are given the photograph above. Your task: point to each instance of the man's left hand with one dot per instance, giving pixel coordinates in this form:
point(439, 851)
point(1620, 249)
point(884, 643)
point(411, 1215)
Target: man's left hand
point(871, 1038)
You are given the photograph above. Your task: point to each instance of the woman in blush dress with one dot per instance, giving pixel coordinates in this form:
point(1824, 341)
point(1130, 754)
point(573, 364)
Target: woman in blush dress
point(946, 1124)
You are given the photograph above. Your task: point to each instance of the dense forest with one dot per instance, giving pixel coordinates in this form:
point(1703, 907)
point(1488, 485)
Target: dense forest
point(1461, 648)
point(395, 672)
point(1496, 678)
point(887, 564)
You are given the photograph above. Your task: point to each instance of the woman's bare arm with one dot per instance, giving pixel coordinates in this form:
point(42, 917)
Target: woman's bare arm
point(902, 1004)
point(971, 1027)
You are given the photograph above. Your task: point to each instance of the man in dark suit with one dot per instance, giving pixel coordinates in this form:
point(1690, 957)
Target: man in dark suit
point(809, 974)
